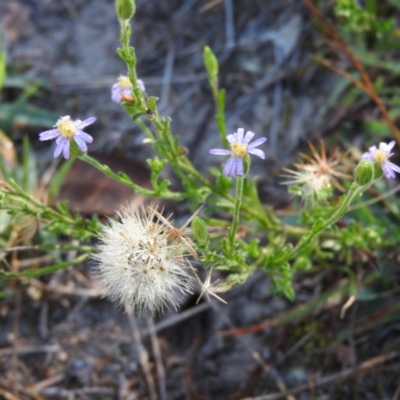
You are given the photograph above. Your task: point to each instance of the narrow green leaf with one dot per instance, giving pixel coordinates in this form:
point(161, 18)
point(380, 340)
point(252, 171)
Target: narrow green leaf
point(2, 66)
point(59, 177)
point(34, 273)
point(152, 103)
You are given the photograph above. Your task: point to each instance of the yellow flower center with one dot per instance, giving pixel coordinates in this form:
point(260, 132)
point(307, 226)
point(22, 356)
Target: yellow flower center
point(66, 126)
point(124, 82)
point(380, 156)
point(239, 150)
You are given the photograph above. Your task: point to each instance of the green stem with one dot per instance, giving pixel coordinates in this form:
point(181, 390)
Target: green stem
point(354, 191)
point(32, 201)
point(236, 213)
point(48, 246)
point(124, 179)
point(120, 177)
point(220, 116)
point(33, 273)
point(129, 56)
point(145, 129)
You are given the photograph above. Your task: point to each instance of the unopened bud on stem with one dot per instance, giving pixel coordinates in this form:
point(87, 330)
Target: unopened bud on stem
point(200, 231)
point(364, 172)
point(125, 9)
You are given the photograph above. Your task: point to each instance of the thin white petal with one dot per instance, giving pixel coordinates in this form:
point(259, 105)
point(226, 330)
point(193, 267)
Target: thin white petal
point(220, 152)
point(86, 122)
point(60, 139)
point(385, 146)
point(229, 165)
point(258, 142)
point(141, 85)
point(84, 136)
point(231, 139)
point(393, 167)
point(368, 156)
point(48, 135)
point(239, 135)
point(248, 137)
point(116, 93)
point(81, 143)
point(389, 173)
point(66, 150)
point(239, 167)
point(257, 152)
point(59, 148)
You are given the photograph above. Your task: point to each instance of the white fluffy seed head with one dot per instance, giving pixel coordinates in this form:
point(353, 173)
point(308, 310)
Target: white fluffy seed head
point(139, 265)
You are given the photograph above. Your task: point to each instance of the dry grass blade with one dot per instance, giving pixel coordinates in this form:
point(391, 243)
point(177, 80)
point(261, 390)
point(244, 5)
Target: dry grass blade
point(84, 292)
point(7, 395)
point(27, 350)
point(211, 4)
point(178, 318)
point(142, 353)
point(368, 85)
point(365, 367)
point(162, 387)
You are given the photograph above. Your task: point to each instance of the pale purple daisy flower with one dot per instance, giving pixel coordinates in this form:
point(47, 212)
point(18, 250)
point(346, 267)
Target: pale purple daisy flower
point(381, 156)
point(67, 129)
point(124, 86)
point(240, 147)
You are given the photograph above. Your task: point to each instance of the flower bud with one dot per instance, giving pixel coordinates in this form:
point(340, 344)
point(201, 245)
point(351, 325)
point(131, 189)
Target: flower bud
point(156, 165)
point(364, 172)
point(200, 231)
point(125, 9)
point(182, 150)
point(210, 62)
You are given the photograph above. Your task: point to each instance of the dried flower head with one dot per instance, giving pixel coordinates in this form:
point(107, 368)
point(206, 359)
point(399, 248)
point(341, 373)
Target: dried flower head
point(240, 148)
point(381, 156)
point(66, 130)
point(139, 265)
point(180, 235)
point(123, 87)
point(315, 178)
point(209, 288)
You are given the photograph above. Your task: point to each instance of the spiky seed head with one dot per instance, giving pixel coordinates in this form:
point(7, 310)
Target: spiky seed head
point(138, 265)
point(315, 178)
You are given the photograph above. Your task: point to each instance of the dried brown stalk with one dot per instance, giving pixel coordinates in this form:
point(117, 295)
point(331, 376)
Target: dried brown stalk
point(363, 368)
point(365, 83)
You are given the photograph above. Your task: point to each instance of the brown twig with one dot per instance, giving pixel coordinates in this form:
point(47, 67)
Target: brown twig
point(67, 290)
point(15, 328)
point(51, 381)
point(178, 318)
point(142, 353)
point(7, 395)
point(364, 367)
point(356, 82)
point(28, 350)
point(353, 350)
point(368, 85)
point(162, 386)
point(262, 366)
point(396, 393)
